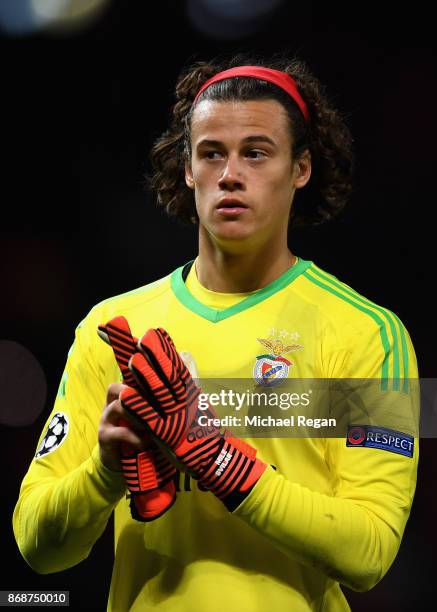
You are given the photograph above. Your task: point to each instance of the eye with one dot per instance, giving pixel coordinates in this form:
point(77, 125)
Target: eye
point(211, 154)
point(255, 154)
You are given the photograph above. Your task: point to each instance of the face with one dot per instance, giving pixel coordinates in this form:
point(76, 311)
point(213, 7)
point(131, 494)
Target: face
point(242, 172)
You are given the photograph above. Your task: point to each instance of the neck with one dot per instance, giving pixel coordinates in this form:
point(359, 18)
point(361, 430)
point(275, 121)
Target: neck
point(240, 272)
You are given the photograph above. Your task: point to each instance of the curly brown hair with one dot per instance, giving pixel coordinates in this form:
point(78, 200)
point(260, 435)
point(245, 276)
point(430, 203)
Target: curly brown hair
point(326, 136)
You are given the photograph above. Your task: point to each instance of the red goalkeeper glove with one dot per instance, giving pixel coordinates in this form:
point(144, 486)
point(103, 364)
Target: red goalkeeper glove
point(168, 405)
point(148, 474)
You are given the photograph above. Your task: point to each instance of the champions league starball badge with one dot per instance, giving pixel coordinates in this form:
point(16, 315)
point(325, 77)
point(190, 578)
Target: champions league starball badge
point(271, 369)
point(54, 436)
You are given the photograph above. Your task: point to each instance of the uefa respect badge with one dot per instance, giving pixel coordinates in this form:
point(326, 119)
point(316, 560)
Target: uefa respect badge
point(381, 438)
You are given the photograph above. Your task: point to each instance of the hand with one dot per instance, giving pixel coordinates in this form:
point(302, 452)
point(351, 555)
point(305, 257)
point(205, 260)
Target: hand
point(167, 402)
point(148, 474)
point(111, 434)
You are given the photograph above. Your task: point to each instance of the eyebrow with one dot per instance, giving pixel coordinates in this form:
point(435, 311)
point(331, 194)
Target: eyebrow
point(248, 139)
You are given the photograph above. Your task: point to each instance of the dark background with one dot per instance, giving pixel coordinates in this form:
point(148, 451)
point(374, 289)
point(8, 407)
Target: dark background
point(80, 113)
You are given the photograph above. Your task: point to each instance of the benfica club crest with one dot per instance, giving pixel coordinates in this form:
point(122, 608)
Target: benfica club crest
point(270, 369)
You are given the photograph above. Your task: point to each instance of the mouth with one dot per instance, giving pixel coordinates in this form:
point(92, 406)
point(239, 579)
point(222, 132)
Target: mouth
point(231, 206)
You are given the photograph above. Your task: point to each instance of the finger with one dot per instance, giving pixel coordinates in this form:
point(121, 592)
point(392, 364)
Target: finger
point(168, 347)
point(117, 333)
point(101, 331)
point(165, 416)
point(160, 427)
point(116, 322)
point(112, 436)
point(189, 361)
point(159, 346)
point(165, 396)
point(128, 420)
point(115, 413)
point(152, 381)
point(166, 370)
point(158, 354)
point(139, 408)
point(113, 392)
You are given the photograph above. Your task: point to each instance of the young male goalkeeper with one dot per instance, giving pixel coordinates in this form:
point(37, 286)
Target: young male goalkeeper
point(213, 522)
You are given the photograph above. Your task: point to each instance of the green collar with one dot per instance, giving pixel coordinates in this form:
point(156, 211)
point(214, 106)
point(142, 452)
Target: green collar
point(211, 314)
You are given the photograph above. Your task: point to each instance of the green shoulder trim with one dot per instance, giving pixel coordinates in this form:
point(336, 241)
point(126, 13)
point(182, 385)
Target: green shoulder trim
point(330, 283)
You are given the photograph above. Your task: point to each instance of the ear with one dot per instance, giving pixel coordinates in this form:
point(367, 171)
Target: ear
point(302, 170)
point(189, 175)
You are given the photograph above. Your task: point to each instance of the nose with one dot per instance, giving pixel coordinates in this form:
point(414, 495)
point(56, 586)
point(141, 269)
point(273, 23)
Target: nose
point(232, 177)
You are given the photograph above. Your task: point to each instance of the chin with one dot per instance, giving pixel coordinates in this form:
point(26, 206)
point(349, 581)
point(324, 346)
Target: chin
point(230, 232)
point(233, 238)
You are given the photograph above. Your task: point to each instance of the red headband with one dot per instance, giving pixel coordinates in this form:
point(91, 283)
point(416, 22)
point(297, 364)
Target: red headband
point(281, 79)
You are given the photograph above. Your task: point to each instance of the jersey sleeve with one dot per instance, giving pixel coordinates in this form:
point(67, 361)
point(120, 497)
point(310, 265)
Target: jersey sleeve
point(354, 533)
point(67, 495)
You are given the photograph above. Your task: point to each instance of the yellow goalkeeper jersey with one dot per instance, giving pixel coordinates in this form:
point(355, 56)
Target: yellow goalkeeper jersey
point(327, 511)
